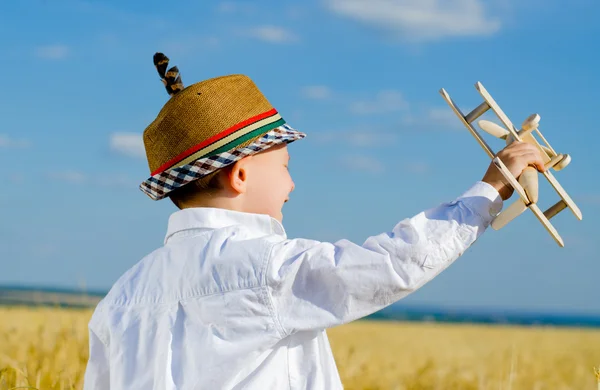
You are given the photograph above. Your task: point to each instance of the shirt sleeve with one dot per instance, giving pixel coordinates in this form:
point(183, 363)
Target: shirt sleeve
point(316, 285)
point(97, 373)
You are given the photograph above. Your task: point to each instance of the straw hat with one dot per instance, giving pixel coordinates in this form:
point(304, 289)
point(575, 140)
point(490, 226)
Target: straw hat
point(207, 126)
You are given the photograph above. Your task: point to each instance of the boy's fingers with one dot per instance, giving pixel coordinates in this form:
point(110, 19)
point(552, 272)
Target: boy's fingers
point(524, 152)
point(540, 167)
point(534, 158)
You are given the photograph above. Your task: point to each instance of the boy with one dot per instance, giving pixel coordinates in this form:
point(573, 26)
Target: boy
point(229, 302)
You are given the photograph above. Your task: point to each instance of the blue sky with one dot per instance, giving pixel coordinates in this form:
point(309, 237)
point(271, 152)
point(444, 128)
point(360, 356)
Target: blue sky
point(360, 77)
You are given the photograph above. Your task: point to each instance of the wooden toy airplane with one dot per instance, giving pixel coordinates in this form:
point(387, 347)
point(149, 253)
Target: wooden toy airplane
point(527, 185)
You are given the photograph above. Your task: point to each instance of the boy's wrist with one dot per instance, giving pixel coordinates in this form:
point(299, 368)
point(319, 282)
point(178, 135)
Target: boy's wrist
point(504, 190)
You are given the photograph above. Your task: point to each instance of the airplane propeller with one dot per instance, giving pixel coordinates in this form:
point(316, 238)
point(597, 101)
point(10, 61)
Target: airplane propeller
point(493, 129)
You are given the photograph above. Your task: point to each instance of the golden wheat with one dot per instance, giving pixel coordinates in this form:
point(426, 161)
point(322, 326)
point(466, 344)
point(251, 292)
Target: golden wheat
point(447, 356)
point(46, 348)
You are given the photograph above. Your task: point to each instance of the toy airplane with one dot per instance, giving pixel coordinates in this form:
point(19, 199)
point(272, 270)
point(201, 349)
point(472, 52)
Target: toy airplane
point(527, 185)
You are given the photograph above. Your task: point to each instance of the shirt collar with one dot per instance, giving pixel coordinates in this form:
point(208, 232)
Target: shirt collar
point(215, 218)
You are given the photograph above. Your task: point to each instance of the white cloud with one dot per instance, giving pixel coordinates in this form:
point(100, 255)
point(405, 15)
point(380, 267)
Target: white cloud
point(386, 101)
point(444, 116)
point(103, 180)
point(52, 52)
point(362, 163)
point(420, 20)
point(128, 144)
point(317, 92)
point(68, 176)
point(8, 142)
point(434, 118)
point(273, 34)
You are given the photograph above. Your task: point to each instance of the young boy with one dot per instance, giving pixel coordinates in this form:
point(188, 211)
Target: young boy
point(229, 301)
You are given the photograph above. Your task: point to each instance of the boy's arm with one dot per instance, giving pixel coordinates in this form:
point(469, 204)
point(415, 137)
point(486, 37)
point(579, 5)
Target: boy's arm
point(317, 285)
point(97, 373)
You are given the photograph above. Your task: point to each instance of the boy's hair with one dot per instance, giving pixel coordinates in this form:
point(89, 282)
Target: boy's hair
point(205, 186)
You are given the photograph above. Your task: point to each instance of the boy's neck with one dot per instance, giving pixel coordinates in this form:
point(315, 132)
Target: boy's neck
point(216, 202)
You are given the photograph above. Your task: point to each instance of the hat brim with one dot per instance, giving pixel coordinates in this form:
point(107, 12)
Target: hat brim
point(160, 185)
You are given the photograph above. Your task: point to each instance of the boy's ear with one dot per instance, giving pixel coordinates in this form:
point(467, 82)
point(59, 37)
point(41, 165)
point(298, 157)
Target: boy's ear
point(237, 175)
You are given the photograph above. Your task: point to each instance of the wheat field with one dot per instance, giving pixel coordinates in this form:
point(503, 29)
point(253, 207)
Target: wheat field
point(46, 348)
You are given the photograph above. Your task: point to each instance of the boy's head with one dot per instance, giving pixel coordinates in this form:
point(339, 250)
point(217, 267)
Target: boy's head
point(218, 143)
point(259, 184)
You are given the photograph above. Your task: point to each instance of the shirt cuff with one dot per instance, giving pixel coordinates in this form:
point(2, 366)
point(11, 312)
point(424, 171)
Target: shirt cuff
point(483, 199)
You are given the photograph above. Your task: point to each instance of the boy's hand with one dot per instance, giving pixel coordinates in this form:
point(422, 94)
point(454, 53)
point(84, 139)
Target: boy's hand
point(517, 156)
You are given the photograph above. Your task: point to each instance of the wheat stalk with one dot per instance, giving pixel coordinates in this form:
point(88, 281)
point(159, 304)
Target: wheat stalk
point(597, 373)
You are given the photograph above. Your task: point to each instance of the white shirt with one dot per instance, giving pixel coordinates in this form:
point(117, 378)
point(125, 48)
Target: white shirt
point(229, 302)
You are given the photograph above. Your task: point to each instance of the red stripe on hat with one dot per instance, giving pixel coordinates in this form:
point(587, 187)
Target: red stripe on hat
point(214, 138)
